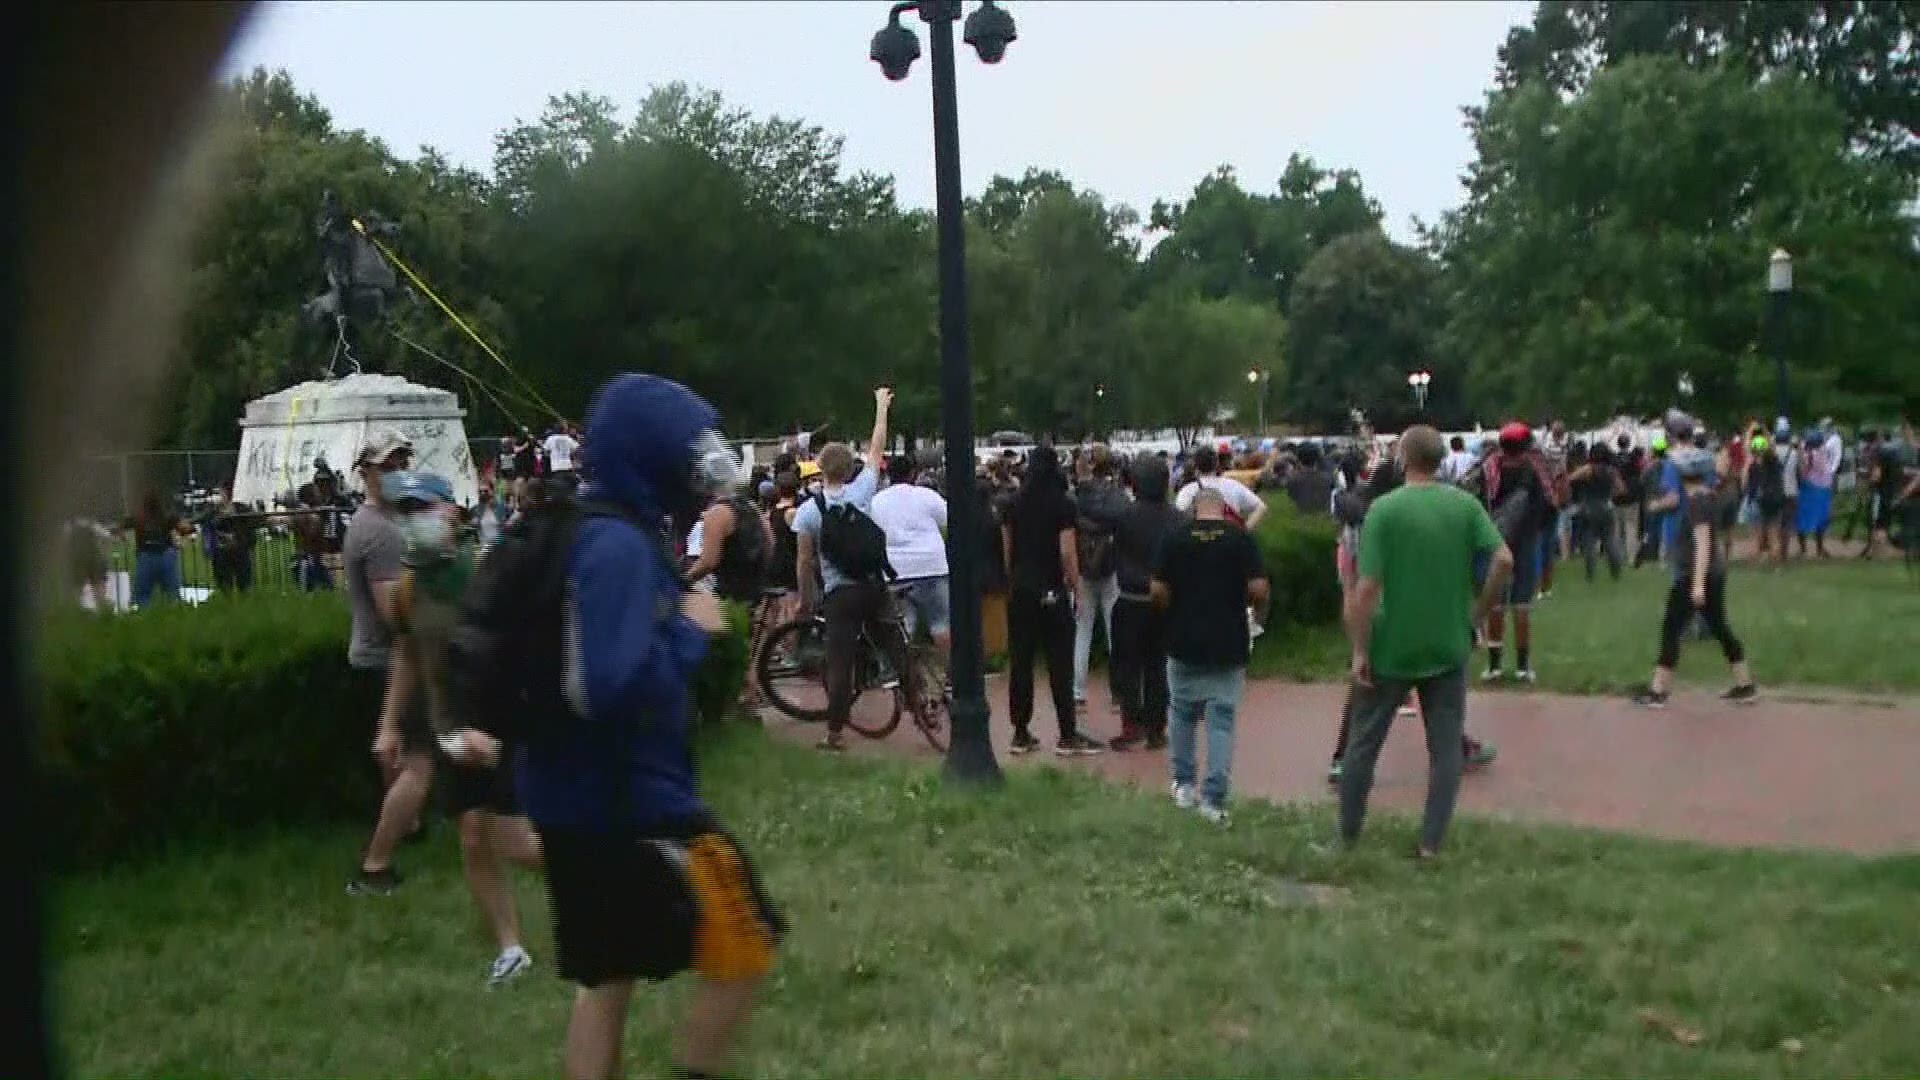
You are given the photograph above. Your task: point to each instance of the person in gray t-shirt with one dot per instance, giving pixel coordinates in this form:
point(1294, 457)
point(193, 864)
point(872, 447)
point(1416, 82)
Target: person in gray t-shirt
point(373, 554)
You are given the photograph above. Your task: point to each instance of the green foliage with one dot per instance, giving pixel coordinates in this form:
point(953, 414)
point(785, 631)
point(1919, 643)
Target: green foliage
point(179, 722)
point(1860, 54)
point(1188, 355)
point(1584, 279)
point(1298, 551)
point(1635, 166)
point(1362, 318)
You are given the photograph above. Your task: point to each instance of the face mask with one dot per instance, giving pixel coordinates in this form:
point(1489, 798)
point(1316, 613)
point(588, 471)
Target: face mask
point(429, 534)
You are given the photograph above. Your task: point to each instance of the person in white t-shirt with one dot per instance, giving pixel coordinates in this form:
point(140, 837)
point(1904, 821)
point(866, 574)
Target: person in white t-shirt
point(1243, 507)
point(915, 521)
point(560, 447)
point(1457, 462)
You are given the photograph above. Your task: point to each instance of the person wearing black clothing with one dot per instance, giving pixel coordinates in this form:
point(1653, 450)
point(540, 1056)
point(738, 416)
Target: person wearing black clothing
point(1595, 484)
point(1699, 587)
point(1043, 562)
point(1100, 503)
point(1310, 485)
point(1207, 576)
point(1139, 628)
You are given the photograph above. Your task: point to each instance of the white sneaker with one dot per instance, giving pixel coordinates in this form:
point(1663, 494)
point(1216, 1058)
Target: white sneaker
point(1492, 674)
point(508, 966)
point(1527, 676)
point(1183, 796)
point(1215, 814)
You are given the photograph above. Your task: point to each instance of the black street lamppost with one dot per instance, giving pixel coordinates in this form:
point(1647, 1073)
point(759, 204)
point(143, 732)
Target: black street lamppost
point(895, 47)
point(1779, 293)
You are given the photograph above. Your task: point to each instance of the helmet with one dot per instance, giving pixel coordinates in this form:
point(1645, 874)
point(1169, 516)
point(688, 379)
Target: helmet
point(1659, 443)
point(1516, 435)
point(416, 487)
point(1760, 444)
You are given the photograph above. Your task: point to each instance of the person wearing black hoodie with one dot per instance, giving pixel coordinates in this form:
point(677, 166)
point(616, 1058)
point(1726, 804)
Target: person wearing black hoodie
point(1139, 628)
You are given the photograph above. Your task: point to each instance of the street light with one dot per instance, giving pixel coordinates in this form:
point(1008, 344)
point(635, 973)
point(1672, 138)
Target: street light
point(1420, 381)
point(895, 47)
point(1256, 377)
point(1779, 291)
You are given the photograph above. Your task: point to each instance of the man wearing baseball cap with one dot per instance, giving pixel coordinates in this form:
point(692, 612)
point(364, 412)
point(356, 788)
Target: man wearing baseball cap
point(374, 556)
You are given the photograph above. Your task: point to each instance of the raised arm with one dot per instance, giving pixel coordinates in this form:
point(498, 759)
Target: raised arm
point(877, 444)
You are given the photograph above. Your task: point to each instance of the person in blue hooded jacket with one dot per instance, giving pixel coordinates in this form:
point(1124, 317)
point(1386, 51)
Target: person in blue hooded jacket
point(643, 882)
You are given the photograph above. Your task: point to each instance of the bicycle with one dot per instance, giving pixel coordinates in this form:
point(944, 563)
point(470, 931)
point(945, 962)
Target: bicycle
point(792, 672)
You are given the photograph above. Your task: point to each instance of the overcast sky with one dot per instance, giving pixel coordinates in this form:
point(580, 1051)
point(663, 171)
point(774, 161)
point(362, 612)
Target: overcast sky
point(1136, 100)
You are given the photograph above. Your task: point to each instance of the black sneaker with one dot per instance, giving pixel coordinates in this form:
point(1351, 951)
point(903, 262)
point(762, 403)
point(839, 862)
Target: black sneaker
point(1650, 699)
point(1023, 743)
point(374, 882)
point(1742, 695)
point(1076, 746)
point(1156, 740)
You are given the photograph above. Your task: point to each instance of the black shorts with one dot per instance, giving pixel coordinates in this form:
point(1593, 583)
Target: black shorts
point(473, 787)
point(416, 735)
point(1771, 509)
point(631, 907)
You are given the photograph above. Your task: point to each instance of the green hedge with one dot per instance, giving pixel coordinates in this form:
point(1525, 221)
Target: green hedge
point(1298, 550)
point(178, 722)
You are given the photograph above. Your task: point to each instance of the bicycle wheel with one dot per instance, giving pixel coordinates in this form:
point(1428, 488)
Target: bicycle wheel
point(934, 714)
point(792, 669)
point(878, 699)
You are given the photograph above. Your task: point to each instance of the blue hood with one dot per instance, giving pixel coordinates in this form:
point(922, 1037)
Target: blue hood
point(639, 429)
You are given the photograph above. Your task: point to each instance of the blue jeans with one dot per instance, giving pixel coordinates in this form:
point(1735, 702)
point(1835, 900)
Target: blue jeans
point(156, 572)
point(1192, 692)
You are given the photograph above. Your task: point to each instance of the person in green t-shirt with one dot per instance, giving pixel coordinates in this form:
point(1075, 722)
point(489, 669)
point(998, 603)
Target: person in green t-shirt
point(1410, 618)
point(438, 564)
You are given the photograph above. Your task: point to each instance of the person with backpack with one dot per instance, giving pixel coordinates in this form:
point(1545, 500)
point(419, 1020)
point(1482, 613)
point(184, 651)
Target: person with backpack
point(735, 550)
point(578, 647)
point(437, 566)
point(1244, 508)
point(838, 537)
point(1100, 503)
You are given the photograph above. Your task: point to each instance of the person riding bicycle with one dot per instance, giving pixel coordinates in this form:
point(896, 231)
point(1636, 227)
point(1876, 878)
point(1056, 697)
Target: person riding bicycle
point(839, 538)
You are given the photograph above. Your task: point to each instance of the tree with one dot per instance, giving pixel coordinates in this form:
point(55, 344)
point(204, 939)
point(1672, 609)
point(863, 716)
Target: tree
point(1362, 319)
point(1616, 240)
point(1225, 241)
point(256, 259)
point(1190, 356)
point(1052, 271)
point(1862, 53)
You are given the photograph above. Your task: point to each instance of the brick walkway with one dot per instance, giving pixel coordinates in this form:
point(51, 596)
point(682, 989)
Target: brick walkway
point(1776, 774)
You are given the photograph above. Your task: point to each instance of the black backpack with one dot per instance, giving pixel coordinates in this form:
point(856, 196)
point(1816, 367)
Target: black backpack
point(506, 656)
point(853, 542)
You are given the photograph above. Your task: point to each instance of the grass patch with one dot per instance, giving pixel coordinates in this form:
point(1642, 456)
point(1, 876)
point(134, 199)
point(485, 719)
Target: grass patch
point(1062, 927)
point(1844, 624)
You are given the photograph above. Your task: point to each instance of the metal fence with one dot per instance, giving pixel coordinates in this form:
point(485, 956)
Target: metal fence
point(235, 553)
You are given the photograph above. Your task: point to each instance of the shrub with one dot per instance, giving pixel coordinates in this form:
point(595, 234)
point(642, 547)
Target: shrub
point(1298, 549)
point(177, 722)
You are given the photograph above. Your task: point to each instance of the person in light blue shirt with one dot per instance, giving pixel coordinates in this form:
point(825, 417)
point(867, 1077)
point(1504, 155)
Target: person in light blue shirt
point(853, 599)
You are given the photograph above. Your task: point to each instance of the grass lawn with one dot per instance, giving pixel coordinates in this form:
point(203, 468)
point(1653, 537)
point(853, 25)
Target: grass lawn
point(1843, 624)
point(1062, 927)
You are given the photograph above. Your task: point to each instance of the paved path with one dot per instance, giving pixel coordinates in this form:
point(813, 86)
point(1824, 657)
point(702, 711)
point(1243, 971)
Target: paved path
point(1776, 774)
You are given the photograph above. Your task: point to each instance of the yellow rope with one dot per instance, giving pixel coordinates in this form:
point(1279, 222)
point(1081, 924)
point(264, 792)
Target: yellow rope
point(532, 392)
